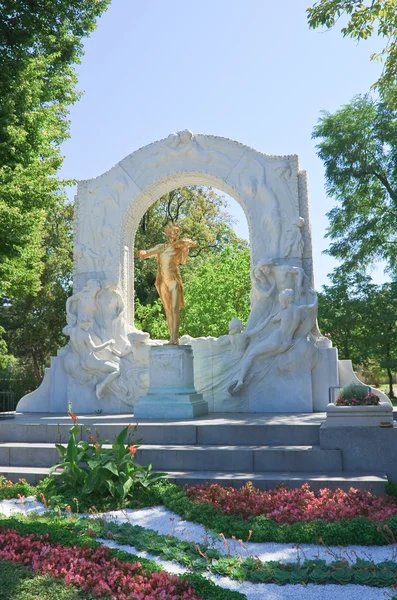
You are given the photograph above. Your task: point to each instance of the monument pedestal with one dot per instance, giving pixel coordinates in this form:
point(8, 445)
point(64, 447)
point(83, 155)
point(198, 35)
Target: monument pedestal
point(171, 394)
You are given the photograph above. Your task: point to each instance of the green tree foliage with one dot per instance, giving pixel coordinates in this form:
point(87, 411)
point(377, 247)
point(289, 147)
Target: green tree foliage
point(217, 291)
point(33, 324)
point(202, 215)
point(40, 42)
point(363, 20)
point(359, 149)
point(360, 318)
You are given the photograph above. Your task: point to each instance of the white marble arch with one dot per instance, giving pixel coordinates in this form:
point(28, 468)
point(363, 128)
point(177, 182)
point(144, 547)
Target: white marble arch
point(105, 364)
point(272, 191)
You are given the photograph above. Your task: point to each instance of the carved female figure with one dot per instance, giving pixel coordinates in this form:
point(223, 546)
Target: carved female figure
point(85, 348)
point(83, 302)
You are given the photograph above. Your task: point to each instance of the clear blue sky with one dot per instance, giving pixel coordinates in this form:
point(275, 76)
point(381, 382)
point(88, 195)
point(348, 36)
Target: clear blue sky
point(249, 70)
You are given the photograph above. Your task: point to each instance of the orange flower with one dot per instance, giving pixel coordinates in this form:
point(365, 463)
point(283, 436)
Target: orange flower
point(132, 450)
point(73, 416)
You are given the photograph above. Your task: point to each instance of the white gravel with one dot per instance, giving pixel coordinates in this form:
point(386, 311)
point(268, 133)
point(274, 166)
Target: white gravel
point(167, 523)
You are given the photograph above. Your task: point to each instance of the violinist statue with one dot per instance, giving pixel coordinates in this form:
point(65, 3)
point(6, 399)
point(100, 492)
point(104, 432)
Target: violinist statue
point(168, 283)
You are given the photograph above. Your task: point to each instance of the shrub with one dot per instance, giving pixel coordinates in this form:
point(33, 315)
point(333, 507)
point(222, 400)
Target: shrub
point(356, 395)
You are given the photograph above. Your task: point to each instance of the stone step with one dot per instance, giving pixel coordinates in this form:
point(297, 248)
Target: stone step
point(374, 482)
point(209, 458)
point(250, 458)
point(236, 430)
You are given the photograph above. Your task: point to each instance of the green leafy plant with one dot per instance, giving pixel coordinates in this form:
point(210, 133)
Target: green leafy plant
point(100, 468)
point(356, 395)
point(14, 490)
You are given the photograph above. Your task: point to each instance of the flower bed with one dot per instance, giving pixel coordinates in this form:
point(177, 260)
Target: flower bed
point(91, 569)
point(290, 506)
point(65, 548)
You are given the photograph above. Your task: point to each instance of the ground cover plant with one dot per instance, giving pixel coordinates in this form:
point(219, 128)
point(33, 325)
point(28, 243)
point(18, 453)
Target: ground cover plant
point(205, 558)
point(360, 530)
point(285, 505)
point(378, 530)
point(21, 583)
point(43, 543)
point(65, 548)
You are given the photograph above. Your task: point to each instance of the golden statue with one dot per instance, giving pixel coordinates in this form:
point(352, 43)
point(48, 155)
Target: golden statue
point(168, 281)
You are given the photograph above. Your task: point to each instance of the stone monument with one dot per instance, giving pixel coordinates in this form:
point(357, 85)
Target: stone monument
point(278, 363)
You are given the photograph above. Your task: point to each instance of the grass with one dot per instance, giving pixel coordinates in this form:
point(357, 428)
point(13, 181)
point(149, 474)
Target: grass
point(21, 583)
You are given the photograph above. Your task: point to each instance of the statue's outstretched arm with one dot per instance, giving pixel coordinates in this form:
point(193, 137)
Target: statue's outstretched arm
point(151, 252)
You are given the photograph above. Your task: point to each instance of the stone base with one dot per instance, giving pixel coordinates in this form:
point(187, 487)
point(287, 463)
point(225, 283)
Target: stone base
point(172, 394)
point(178, 406)
point(360, 416)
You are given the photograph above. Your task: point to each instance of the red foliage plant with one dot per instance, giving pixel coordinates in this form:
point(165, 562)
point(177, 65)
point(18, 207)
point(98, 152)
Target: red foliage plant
point(93, 570)
point(289, 506)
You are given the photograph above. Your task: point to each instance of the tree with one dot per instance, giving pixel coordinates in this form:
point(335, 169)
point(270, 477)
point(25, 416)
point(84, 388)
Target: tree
point(360, 318)
point(365, 19)
point(344, 314)
point(359, 149)
point(202, 215)
point(217, 291)
point(40, 42)
point(381, 305)
point(32, 325)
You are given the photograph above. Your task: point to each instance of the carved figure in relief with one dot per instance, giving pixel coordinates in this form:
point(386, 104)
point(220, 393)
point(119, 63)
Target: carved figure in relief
point(83, 302)
point(291, 322)
point(262, 292)
point(102, 214)
point(110, 311)
point(236, 341)
point(84, 347)
point(168, 281)
point(294, 242)
point(269, 279)
point(87, 257)
point(106, 242)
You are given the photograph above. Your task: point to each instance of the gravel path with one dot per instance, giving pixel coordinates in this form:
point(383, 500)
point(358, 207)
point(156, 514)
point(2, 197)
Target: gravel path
point(165, 522)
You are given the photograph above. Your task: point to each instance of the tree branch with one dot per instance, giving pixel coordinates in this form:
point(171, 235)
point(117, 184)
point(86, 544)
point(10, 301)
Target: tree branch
point(201, 249)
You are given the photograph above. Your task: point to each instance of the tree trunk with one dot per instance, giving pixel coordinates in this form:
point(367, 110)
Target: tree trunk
point(390, 377)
